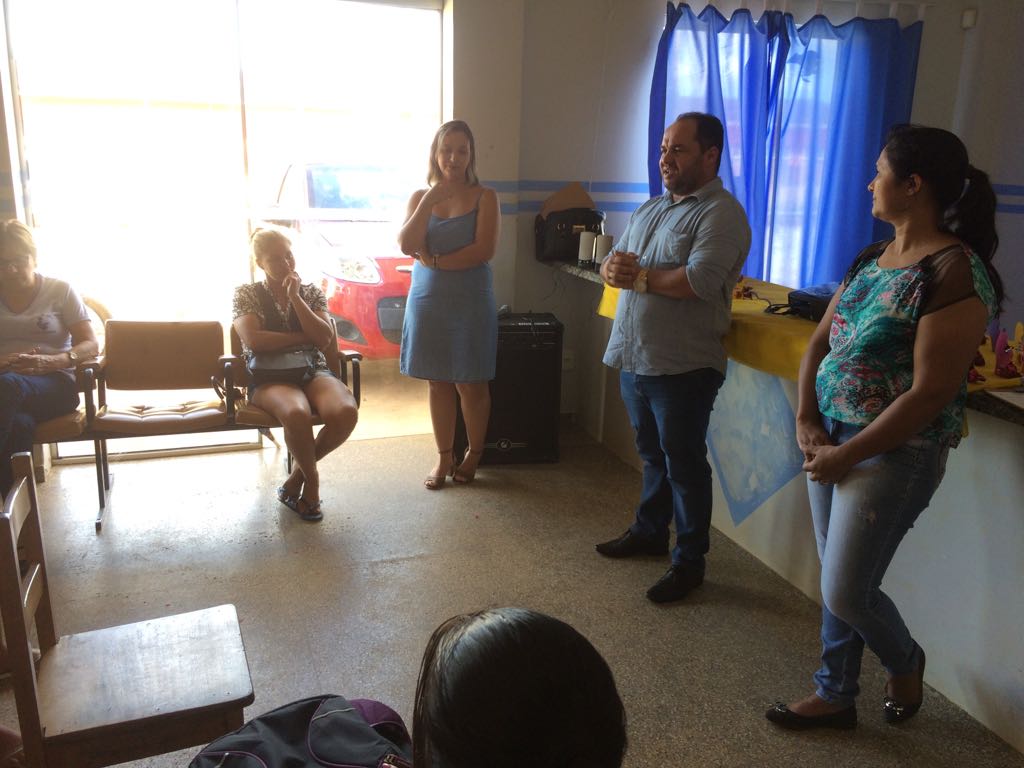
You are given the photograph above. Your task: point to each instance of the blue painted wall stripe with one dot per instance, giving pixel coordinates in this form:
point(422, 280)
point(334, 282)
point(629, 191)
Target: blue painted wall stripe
point(641, 188)
point(1010, 208)
point(532, 185)
point(597, 187)
point(633, 187)
point(502, 186)
point(628, 187)
point(608, 206)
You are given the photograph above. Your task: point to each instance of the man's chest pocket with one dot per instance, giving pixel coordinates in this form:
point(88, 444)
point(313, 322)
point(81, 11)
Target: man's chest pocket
point(46, 323)
point(671, 247)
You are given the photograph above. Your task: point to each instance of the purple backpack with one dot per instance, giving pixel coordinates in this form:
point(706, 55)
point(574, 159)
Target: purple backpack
point(318, 732)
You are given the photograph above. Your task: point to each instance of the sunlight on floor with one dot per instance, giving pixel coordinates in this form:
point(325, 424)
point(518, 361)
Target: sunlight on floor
point(392, 404)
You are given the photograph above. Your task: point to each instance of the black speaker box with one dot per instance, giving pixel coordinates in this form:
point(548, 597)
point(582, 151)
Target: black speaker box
point(525, 393)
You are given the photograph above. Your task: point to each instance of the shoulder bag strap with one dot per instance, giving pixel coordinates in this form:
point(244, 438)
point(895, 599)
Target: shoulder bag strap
point(272, 316)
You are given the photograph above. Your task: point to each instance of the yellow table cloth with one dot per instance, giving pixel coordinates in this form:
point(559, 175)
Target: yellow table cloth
point(770, 343)
point(609, 300)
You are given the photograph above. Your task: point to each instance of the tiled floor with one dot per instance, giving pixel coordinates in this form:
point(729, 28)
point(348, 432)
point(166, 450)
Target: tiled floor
point(346, 606)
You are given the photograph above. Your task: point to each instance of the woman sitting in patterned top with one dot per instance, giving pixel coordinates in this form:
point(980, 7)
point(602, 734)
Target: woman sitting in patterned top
point(881, 399)
point(283, 313)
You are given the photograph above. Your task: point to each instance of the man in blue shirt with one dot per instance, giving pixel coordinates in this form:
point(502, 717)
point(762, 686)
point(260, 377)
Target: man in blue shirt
point(677, 263)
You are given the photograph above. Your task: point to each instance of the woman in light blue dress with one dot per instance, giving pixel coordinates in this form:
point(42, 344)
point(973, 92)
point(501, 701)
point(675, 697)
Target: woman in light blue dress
point(450, 334)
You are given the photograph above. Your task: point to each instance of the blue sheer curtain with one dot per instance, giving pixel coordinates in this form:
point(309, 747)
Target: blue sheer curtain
point(710, 64)
point(805, 110)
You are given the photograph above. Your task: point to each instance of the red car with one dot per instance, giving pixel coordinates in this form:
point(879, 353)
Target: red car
point(346, 222)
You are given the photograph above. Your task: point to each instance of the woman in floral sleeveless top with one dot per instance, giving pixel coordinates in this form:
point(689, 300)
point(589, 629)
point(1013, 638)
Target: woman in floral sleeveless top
point(881, 399)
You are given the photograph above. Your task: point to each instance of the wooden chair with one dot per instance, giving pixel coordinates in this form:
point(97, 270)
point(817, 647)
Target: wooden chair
point(110, 695)
point(236, 376)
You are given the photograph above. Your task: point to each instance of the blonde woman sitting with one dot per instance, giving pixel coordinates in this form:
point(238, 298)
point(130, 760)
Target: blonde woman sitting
point(284, 319)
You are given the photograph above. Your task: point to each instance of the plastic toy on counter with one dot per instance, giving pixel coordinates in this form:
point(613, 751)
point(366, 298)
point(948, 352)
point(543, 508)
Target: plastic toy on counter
point(1005, 367)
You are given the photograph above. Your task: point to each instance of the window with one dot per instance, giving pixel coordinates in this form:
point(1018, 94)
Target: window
point(157, 132)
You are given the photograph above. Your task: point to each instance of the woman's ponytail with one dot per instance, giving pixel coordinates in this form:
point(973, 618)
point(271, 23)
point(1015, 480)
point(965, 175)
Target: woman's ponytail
point(972, 218)
point(963, 196)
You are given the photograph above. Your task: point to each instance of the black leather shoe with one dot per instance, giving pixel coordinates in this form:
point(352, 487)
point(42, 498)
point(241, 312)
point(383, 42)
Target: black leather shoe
point(676, 583)
point(630, 545)
point(781, 715)
point(895, 711)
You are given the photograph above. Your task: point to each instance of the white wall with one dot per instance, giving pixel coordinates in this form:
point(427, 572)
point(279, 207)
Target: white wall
point(988, 115)
point(960, 576)
point(488, 89)
point(586, 74)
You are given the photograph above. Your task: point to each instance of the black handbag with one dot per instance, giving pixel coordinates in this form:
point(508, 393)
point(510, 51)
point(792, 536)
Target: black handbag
point(812, 301)
point(291, 365)
point(558, 234)
point(328, 731)
point(295, 365)
point(809, 303)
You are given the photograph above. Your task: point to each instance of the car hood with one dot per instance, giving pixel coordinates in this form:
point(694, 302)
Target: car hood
point(375, 239)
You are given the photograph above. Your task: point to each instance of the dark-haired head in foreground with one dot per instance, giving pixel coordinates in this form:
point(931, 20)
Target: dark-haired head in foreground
point(513, 687)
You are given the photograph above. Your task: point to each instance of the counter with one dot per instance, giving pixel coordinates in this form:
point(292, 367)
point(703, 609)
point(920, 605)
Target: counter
point(775, 343)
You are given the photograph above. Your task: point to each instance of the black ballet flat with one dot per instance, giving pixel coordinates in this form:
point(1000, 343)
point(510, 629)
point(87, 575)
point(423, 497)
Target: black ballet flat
point(896, 712)
point(783, 716)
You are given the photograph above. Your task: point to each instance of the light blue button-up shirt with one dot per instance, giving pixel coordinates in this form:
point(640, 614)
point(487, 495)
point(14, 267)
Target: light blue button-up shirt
point(707, 232)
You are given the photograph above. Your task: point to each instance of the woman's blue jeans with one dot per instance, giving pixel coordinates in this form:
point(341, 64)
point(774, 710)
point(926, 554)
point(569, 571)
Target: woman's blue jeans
point(858, 524)
point(670, 415)
point(24, 402)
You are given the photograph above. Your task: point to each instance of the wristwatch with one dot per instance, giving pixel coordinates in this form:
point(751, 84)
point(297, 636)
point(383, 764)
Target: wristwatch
point(640, 284)
point(73, 357)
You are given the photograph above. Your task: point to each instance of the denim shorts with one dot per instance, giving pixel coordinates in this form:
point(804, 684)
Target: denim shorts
point(251, 389)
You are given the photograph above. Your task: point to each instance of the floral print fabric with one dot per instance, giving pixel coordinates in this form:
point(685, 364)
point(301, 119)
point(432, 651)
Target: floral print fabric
point(871, 361)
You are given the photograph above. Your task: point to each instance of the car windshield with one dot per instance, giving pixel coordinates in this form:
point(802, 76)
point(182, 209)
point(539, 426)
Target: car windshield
point(356, 193)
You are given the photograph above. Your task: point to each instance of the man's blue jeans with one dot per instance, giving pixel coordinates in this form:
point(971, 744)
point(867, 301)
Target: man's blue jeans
point(858, 524)
point(24, 402)
point(670, 417)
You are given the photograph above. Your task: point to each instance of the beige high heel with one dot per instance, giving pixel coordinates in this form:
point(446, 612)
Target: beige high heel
point(436, 482)
point(465, 478)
